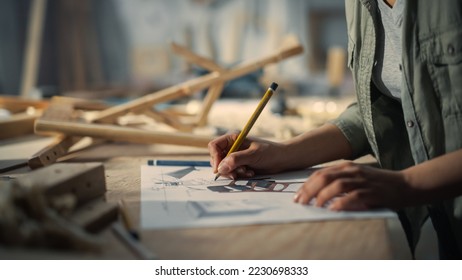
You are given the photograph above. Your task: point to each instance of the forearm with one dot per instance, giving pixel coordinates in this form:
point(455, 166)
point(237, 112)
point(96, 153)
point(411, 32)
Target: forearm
point(436, 179)
point(323, 144)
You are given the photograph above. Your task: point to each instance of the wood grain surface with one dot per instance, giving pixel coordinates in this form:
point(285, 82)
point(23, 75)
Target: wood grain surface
point(344, 239)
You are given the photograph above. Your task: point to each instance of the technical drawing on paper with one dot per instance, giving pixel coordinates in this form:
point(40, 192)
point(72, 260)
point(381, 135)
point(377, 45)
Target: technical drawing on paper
point(184, 197)
point(188, 177)
point(257, 185)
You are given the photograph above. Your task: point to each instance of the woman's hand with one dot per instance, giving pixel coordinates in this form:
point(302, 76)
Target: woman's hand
point(352, 186)
point(256, 156)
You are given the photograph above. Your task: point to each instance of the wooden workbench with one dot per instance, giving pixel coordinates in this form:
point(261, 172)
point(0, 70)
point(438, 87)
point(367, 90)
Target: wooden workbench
point(347, 239)
point(343, 239)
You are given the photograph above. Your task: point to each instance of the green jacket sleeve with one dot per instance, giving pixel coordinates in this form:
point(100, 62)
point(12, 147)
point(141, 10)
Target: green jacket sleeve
point(351, 125)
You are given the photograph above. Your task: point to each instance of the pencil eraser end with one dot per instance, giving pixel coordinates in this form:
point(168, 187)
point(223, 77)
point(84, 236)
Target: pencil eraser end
point(273, 86)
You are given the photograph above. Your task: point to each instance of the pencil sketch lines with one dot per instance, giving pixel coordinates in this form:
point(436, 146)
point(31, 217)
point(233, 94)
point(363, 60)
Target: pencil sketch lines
point(177, 179)
point(203, 209)
point(256, 186)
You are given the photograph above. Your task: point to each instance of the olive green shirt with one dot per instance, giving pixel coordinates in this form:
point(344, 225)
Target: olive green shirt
point(428, 121)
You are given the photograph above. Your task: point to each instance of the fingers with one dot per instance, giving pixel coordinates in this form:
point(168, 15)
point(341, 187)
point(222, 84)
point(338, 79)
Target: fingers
point(337, 188)
point(317, 181)
point(345, 194)
point(358, 200)
point(231, 167)
point(218, 149)
point(331, 182)
point(249, 157)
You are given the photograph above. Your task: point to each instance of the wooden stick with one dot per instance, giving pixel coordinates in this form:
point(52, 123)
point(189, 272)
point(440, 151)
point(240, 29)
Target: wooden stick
point(52, 152)
point(117, 133)
point(214, 91)
point(60, 108)
point(18, 125)
point(33, 46)
point(189, 87)
point(213, 94)
point(191, 57)
point(23, 114)
point(17, 105)
point(168, 120)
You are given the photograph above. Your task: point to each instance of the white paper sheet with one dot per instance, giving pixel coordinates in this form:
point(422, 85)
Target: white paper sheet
point(186, 197)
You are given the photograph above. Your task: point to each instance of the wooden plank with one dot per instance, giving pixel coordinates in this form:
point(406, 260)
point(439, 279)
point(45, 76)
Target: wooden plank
point(80, 103)
point(59, 109)
point(48, 198)
point(51, 153)
point(18, 125)
point(85, 180)
point(23, 114)
point(118, 133)
point(17, 105)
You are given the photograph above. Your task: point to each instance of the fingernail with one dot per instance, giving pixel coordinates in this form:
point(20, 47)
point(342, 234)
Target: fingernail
point(223, 167)
point(296, 197)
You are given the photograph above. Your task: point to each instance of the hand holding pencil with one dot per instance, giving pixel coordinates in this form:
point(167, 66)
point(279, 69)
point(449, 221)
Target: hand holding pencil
point(230, 144)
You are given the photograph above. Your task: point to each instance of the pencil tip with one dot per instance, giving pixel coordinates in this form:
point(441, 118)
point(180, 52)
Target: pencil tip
point(216, 177)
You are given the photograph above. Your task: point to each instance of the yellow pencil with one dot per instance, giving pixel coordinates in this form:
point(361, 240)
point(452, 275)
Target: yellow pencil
point(252, 120)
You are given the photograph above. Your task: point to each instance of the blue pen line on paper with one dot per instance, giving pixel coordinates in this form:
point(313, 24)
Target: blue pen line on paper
point(179, 163)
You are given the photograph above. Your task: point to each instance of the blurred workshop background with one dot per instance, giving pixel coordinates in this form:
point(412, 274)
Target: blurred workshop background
point(116, 50)
point(119, 45)
point(120, 50)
